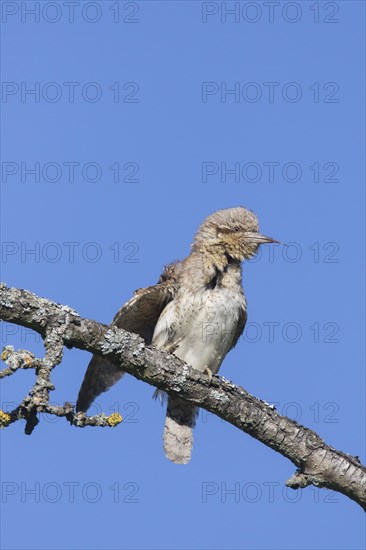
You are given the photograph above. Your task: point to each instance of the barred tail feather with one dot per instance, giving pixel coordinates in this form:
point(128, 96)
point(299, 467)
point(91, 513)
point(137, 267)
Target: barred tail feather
point(178, 430)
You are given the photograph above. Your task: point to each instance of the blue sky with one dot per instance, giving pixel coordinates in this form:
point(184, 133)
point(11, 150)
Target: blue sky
point(131, 133)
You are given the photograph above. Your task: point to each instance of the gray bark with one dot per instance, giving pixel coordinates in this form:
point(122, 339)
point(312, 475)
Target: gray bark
point(317, 463)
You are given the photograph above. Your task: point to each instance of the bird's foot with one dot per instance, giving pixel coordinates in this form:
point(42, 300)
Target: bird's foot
point(209, 373)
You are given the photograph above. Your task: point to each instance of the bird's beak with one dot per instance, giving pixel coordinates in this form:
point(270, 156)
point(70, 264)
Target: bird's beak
point(260, 239)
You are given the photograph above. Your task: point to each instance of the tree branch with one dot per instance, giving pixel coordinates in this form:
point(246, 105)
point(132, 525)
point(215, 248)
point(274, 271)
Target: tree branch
point(317, 463)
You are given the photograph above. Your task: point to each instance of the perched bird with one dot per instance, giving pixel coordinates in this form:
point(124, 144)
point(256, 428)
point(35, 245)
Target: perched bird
point(197, 311)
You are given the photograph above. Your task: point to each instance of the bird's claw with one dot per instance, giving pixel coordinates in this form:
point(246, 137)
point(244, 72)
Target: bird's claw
point(209, 374)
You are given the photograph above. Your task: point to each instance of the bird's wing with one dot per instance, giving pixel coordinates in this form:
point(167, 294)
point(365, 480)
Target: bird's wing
point(240, 326)
point(139, 315)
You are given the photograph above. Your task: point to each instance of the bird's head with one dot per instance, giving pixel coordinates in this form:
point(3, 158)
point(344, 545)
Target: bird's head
point(232, 231)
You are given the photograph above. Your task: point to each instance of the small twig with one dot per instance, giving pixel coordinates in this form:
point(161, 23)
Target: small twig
point(37, 400)
point(21, 359)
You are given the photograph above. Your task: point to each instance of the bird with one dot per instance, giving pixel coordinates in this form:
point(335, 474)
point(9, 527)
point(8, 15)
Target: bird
point(197, 310)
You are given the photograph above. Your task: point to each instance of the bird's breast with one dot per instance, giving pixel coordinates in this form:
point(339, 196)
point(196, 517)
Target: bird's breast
point(203, 325)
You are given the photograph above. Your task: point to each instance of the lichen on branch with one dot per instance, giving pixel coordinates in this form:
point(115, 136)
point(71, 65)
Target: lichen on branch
point(316, 462)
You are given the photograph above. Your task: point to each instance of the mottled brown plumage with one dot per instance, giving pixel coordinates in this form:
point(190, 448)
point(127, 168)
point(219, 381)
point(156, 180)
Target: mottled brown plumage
point(139, 315)
point(197, 311)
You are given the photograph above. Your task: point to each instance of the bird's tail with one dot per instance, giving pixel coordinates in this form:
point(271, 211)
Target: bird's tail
point(100, 375)
point(178, 431)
